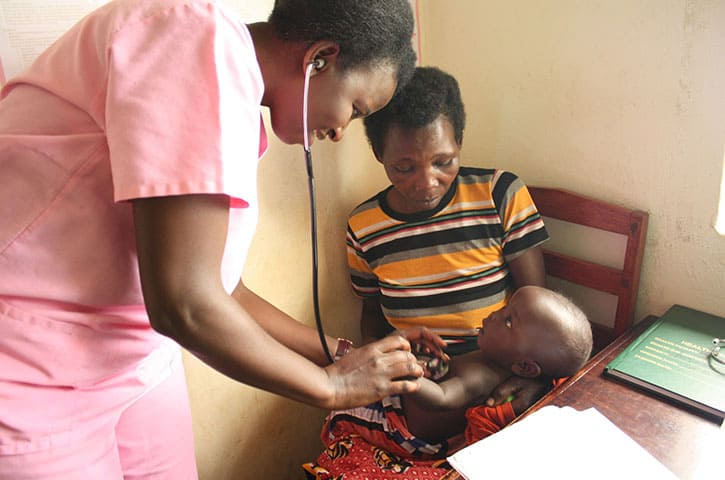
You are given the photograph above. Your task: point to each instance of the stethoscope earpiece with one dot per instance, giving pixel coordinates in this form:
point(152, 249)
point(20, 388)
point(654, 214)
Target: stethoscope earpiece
point(318, 63)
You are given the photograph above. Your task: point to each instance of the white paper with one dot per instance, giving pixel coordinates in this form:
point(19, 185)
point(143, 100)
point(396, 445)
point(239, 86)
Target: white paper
point(561, 443)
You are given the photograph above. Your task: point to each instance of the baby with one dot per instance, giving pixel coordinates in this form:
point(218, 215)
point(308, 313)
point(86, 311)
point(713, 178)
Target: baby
point(539, 333)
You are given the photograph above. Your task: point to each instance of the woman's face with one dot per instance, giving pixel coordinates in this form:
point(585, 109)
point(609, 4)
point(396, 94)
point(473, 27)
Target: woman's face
point(335, 99)
point(421, 164)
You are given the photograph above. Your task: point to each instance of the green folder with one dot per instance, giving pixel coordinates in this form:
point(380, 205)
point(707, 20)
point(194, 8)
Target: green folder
point(672, 359)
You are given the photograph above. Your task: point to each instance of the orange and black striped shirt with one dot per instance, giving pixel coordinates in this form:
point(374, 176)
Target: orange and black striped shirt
point(445, 268)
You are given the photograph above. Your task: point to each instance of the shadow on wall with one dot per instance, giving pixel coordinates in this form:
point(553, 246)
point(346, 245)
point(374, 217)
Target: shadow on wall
point(241, 431)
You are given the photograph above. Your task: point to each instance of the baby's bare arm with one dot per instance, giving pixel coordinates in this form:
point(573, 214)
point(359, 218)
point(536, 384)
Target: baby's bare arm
point(470, 380)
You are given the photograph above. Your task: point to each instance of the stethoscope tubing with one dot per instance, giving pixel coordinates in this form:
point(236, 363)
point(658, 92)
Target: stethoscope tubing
point(313, 217)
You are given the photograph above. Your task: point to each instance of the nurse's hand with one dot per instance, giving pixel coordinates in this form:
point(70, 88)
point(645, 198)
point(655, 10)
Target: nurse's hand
point(374, 371)
point(382, 368)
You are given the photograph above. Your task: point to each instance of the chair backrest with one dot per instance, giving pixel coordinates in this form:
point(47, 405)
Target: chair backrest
point(623, 283)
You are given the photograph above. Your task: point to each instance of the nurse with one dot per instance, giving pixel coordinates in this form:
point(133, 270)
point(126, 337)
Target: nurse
point(128, 157)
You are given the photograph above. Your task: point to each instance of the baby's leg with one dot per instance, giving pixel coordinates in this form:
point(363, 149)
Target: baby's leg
point(433, 426)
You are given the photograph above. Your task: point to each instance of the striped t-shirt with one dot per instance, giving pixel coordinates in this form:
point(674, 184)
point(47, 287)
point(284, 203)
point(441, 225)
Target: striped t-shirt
point(444, 268)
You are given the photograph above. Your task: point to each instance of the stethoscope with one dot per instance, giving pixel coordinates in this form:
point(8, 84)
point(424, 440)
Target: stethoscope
point(436, 366)
point(318, 64)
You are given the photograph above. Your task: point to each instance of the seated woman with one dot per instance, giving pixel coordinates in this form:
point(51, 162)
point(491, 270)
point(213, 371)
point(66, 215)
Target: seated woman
point(444, 245)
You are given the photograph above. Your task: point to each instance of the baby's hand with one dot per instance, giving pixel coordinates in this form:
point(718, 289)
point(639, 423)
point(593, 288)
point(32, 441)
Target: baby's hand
point(525, 392)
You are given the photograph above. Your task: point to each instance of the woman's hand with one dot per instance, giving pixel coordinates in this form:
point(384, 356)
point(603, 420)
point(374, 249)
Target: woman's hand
point(373, 371)
point(525, 392)
point(424, 341)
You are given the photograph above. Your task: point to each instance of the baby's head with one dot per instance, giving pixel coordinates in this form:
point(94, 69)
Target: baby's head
point(539, 333)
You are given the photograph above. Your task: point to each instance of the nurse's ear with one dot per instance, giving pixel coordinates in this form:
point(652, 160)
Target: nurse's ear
point(323, 55)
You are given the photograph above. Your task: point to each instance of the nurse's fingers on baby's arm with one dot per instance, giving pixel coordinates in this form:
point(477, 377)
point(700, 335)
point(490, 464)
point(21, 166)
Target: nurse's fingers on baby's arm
point(391, 357)
point(404, 371)
point(398, 370)
point(404, 386)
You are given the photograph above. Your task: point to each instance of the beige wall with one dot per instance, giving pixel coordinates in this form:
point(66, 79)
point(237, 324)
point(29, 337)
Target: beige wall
point(621, 100)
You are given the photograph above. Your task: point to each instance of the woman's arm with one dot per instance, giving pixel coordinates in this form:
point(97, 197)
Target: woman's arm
point(180, 242)
point(528, 268)
point(373, 324)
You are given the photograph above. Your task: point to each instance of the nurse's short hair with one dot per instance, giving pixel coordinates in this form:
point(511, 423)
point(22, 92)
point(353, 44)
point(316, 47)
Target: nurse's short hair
point(431, 92)
point(369, 32)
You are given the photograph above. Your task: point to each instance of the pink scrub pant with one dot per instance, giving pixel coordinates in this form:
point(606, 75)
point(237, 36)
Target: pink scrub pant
point(134, 426)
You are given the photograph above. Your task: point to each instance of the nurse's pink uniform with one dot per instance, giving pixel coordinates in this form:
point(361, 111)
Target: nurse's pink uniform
point(142, 98)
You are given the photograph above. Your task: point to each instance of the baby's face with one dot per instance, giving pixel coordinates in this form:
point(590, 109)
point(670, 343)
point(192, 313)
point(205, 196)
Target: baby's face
point(516, 330)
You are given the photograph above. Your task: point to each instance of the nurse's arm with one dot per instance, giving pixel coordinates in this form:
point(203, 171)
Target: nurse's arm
point(180, 242)
point(284, 328)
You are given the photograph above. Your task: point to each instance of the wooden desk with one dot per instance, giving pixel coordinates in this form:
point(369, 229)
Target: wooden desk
point(691, 446)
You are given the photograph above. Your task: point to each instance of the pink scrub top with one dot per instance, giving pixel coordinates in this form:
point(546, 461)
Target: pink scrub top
point(142, 98)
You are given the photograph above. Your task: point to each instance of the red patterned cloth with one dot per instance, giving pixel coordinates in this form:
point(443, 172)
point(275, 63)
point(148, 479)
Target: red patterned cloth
point(483, 421)
point(384, 425)
point(353, 458)
point(374, 443)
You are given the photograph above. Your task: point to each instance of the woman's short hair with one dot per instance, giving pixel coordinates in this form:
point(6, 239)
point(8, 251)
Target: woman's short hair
point(369, 32)
point(431, 92)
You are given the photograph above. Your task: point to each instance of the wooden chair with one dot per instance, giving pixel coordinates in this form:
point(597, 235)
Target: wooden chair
point(623, 282)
